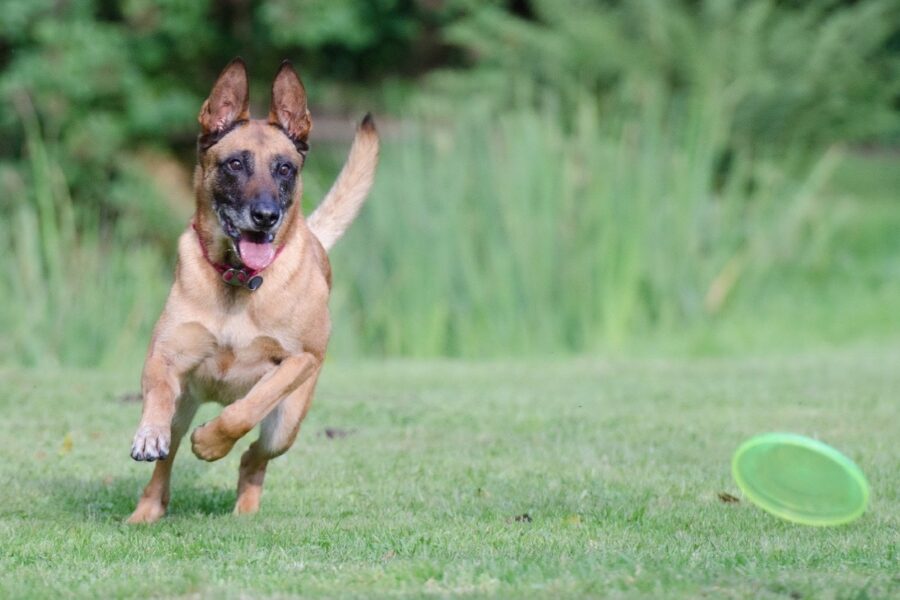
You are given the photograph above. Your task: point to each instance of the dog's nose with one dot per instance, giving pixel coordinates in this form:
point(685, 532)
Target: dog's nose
point(264, 213)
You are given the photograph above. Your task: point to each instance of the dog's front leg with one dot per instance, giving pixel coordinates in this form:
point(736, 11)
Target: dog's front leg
point(174, 351)
point(166, 417)
point(215, 439)
point(160, 387)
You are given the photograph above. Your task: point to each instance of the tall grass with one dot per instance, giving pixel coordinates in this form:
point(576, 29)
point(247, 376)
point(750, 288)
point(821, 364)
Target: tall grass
point(76, 291)
point(486, 235)
point(513, 235)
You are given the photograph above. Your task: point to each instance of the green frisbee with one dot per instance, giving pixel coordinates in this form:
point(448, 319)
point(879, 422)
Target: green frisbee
point(800, 479)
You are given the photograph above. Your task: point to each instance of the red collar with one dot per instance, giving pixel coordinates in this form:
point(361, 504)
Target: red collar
point(236, 276)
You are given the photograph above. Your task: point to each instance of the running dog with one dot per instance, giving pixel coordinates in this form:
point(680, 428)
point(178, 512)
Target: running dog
point(246, 323)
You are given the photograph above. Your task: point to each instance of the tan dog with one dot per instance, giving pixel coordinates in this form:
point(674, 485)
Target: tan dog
point(246, 323)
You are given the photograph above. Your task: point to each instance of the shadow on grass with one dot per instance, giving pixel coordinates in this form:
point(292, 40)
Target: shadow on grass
point(114, 498)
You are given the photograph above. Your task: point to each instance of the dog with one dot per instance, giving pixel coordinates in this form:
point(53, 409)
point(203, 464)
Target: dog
point(246, 323)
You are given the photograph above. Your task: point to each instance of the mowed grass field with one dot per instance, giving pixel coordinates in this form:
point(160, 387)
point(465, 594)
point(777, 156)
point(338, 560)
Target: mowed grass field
point(568, 478)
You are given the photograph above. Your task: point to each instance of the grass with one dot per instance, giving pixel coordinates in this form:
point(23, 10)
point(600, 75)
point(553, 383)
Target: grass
point(618, 465)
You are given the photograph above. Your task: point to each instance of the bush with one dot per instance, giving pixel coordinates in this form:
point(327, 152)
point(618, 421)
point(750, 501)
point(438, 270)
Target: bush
point(807, 72)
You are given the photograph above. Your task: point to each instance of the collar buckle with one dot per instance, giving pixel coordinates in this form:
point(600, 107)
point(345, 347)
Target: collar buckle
point(235, 277)
point(241, 278)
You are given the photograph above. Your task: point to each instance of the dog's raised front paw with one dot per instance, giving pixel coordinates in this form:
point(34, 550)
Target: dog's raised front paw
point(209, 443)
point(151, 442)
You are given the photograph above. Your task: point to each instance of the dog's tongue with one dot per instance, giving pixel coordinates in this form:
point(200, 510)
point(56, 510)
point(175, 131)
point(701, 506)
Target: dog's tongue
point(256, 256)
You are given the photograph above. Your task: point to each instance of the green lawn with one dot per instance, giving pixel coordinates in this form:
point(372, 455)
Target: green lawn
point(618, 465)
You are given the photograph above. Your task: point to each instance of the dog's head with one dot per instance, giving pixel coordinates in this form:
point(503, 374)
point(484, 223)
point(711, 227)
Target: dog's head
point(248, 178)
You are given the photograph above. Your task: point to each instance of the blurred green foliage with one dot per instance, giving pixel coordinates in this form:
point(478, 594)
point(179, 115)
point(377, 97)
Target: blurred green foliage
point(523, 236)
point(575, 175)
point(808, 72)
point(107, 78)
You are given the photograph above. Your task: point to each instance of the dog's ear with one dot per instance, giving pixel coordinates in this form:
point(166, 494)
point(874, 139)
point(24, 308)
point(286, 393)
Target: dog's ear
point(288, 109)
point(229, 100)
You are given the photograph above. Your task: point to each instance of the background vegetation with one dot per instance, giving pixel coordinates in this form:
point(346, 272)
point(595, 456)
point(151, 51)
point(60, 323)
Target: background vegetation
point(557, 177)
point(623, 179)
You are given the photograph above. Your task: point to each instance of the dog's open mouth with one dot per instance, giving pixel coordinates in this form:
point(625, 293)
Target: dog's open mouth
point(255, 248)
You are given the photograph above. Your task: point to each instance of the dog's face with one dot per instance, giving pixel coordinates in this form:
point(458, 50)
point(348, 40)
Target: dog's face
point(250, 169)
point(250, 180)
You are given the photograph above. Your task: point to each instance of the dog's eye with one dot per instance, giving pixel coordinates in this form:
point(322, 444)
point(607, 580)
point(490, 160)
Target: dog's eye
point(235, 165)
point(284, 169)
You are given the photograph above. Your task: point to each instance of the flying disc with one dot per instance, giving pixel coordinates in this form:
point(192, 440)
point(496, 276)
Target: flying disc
point(800, 479)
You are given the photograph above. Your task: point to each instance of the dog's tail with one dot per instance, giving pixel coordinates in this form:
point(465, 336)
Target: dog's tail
point(343, 201)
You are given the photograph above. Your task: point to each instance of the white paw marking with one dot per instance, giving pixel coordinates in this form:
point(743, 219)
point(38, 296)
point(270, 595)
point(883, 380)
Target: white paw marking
point(151, 442)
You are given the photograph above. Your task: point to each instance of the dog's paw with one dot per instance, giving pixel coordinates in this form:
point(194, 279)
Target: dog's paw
point(147, 511)
point(209, 443)
point(151, 442)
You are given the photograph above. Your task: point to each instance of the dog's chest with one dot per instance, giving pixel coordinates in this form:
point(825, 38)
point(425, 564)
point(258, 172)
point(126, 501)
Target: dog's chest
point(240, 355)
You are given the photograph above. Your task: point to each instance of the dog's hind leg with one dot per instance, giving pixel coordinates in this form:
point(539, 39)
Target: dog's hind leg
point(155, 499)
point(277, 433)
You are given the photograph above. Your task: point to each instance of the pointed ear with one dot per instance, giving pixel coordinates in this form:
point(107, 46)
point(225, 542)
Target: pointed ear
point(229, 100)
point(288, 109)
